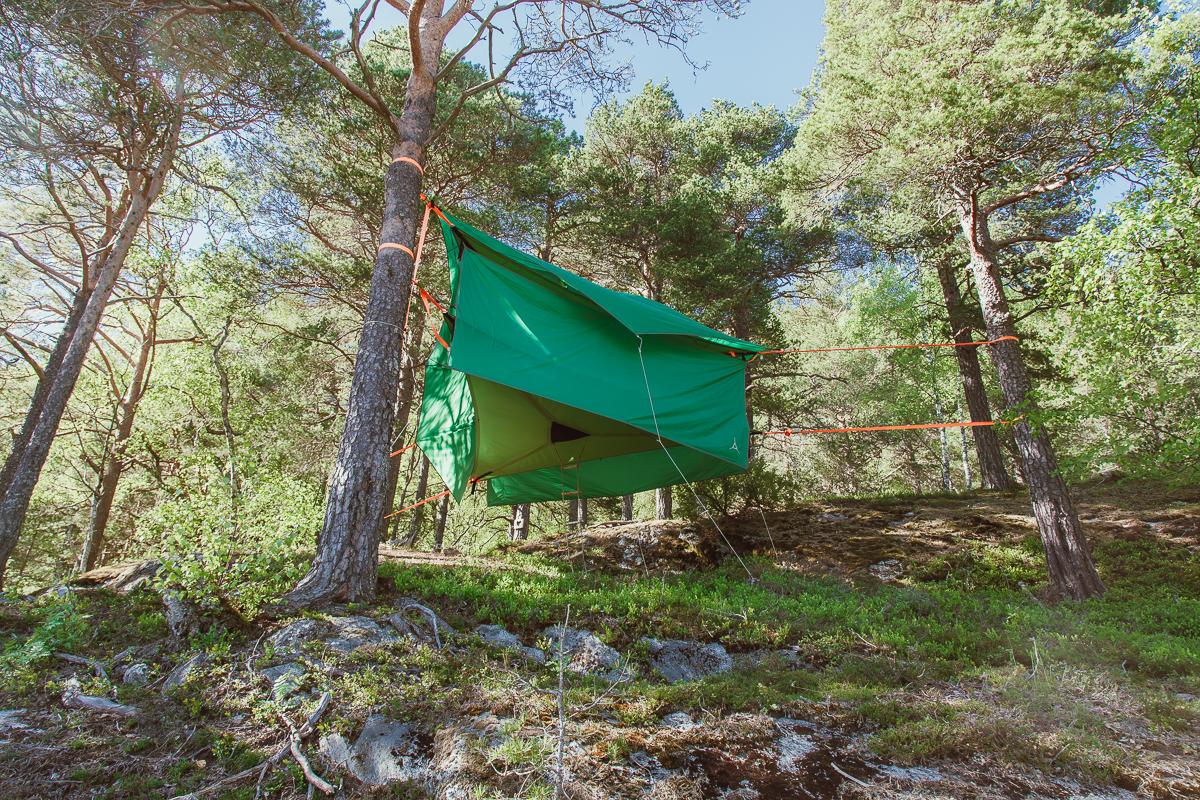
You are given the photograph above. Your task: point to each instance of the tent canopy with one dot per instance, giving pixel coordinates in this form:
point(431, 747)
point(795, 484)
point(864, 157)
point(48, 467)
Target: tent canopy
point(554, 387)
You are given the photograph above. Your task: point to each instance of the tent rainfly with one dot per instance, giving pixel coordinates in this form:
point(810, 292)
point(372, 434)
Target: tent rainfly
point(554, 387)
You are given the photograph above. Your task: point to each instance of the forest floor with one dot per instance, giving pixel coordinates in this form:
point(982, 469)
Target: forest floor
point(883, 649)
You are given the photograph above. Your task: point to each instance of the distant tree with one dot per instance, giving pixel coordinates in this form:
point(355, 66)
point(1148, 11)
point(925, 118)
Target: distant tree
point(684, 210)
point(98, 101)
point(982, 107)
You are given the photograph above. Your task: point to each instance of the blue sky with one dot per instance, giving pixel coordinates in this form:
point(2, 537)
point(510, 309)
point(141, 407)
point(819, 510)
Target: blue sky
point(764, 56)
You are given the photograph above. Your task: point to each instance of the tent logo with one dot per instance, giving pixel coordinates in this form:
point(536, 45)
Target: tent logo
point(734, 446)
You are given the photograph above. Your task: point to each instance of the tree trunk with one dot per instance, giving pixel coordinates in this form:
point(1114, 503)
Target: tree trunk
point(993, 475)
point(418, 515)
point(347, 559)
point(627, 508)
point(662, 503)
point(439, 530)
point(114, 465)
point(583, 513)
point(1072, 572)
point(404, 403)
point(518, 528)
point(28, 468)
point(968, 478)
point(38, 402)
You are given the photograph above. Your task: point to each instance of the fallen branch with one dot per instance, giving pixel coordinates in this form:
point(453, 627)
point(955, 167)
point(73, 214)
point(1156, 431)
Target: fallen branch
point(315, 780)
point(261, 769)
point(74, 697)
point(95, 665)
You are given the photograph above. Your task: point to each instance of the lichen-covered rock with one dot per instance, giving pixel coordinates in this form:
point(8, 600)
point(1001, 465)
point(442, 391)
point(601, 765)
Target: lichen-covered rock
point(385, 752)
point(179, 676)
point(285, 680)
point(583, 651)
point(136, 674)
point(343, 634)
point(501, 637)
point(678, 660)
point(350, 633)
point(291, 638)
point(680, 720)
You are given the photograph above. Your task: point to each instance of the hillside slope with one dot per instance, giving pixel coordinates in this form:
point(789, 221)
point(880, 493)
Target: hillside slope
point(881, 650)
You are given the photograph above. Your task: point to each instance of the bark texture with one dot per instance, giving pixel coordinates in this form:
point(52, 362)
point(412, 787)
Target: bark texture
point(518, 527)
point(627, 508)
point(418, 513)
point(663, 505)
point(992, 473)
point(1072, 572)
point(439, 530)
point(346, 565)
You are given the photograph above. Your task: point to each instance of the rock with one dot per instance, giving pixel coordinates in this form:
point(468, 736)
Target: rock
point(136, 674)
point(181, 673)
point(285, 680)
point(887, 570)
point(351, 633)
point(680, 720)
point(585, 653)
point(291, 638)
point(783, 657)
point(677, 660)
point(385, 752)
point(832, 516)
point(12, 720)
point(182, 617)
point(499, 636)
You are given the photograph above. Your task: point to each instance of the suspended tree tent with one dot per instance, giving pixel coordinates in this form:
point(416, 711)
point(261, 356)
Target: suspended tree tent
point(553, 387)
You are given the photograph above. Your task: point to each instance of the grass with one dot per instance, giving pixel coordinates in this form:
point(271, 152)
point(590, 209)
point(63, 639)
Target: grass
point(952, 618)
point(1046, 685)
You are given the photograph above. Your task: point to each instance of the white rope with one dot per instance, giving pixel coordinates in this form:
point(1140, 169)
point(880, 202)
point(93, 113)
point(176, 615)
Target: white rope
point(768, 527)
point(658, 436)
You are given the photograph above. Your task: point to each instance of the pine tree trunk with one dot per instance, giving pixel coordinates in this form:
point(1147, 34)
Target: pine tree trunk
point(38, 402)
point(114, 465)
point(404, 402)
point(583, 513)
point(627, 508)
point(1072, 573)
point(518, 527)
point(993, 475)
point(28, 468)
point(346, 563)
point(663, 503)
point(439, 530)
point(968, 478)
point(414, 522)
point(573, 513)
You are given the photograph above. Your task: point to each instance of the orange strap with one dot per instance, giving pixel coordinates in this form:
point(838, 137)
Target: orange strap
point(404, 449)
point(407, 160)
point(917, 427)
point(397, 246)
point(416, 265)
point(428, 300)
point(437, 496)
point(888, 347)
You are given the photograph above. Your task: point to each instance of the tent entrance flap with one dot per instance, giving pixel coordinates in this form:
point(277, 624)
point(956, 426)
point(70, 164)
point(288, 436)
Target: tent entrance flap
point(517, 432)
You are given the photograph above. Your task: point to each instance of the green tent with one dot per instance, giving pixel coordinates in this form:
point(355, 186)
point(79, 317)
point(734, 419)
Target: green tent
point(554, 387)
